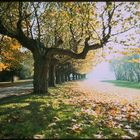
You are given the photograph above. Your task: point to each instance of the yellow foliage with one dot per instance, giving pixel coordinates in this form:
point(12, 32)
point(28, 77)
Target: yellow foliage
point(15, 47)
point(53, 14)
point(134, 60)
point(136, 50)
point(138, 13)
point(10, 54)
point(110, 61)
point(103, 55)
point(124, 53)
point(2, 66)
point(132, 51)
point(78, 10)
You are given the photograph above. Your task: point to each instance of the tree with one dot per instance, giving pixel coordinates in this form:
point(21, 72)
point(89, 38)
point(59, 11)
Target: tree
point(127, 68)
point(31, 22)
point(11, 58)
point(27, 65)
point(10, 54)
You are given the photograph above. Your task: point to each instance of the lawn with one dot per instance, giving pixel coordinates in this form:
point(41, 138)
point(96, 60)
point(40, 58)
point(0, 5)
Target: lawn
point(66, 113)
point(127, 84)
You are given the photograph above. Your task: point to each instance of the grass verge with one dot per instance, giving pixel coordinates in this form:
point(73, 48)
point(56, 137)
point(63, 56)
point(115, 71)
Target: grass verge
point(127, 84)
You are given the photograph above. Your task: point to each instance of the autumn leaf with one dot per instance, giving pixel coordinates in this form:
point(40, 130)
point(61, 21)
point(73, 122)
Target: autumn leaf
point(76, 128)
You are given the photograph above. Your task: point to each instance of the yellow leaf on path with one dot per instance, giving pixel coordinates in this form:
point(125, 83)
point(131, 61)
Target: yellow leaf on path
point(97, 110)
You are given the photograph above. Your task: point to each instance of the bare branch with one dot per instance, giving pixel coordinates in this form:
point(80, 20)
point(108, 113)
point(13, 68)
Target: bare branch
point(103, 24)
point(71, 31)
point(124, 31)
point(1, 37)
point(82, 30)
point(110, 13)
point(37, 19)
point(82, 55)
point(30, 28)
point(118, 5)
point(95, 31)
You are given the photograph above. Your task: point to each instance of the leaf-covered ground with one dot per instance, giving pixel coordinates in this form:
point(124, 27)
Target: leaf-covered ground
point(69, 111)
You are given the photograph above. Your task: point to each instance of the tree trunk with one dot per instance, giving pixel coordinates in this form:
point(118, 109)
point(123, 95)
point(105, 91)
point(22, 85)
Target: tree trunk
point(80, 76)
point(73, 76)
point(76, 76)
point(68, 77)
point(62, 77)
point(12, 79)
point(65, 77)
point(12, 76)
point(58, 77)
point(84, 76)
point(41, 75)
point(52, 77)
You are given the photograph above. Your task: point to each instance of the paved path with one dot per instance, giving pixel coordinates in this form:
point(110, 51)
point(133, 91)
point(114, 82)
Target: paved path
point(100, 91)
point(108, 90)
point(24, 88)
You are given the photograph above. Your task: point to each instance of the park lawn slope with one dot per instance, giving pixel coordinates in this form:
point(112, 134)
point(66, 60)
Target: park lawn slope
point(66, 112)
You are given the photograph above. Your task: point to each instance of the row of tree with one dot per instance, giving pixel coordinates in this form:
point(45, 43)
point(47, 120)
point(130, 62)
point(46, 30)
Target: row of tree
point(63, 73)
point(17, 63)
point(58, 73)
point(127, 68)
point(54, 30)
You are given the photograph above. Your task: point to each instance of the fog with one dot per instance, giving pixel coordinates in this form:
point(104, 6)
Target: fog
point(101, 72)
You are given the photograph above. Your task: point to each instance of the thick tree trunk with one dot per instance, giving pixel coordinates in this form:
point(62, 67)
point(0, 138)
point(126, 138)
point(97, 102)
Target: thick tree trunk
point(41, 75)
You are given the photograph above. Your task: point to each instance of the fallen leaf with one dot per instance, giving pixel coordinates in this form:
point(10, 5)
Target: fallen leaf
point(52, 124)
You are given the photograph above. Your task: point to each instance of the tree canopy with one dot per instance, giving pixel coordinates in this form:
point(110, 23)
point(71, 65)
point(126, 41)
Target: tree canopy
point(56, 29)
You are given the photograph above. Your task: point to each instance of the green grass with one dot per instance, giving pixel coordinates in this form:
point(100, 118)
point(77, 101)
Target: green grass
point(49, 116)
point(127, 84)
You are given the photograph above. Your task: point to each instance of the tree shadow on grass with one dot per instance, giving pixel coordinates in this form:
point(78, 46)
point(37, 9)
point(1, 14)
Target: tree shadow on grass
point(126, 84)
point(24, 116)
point(29, 115)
